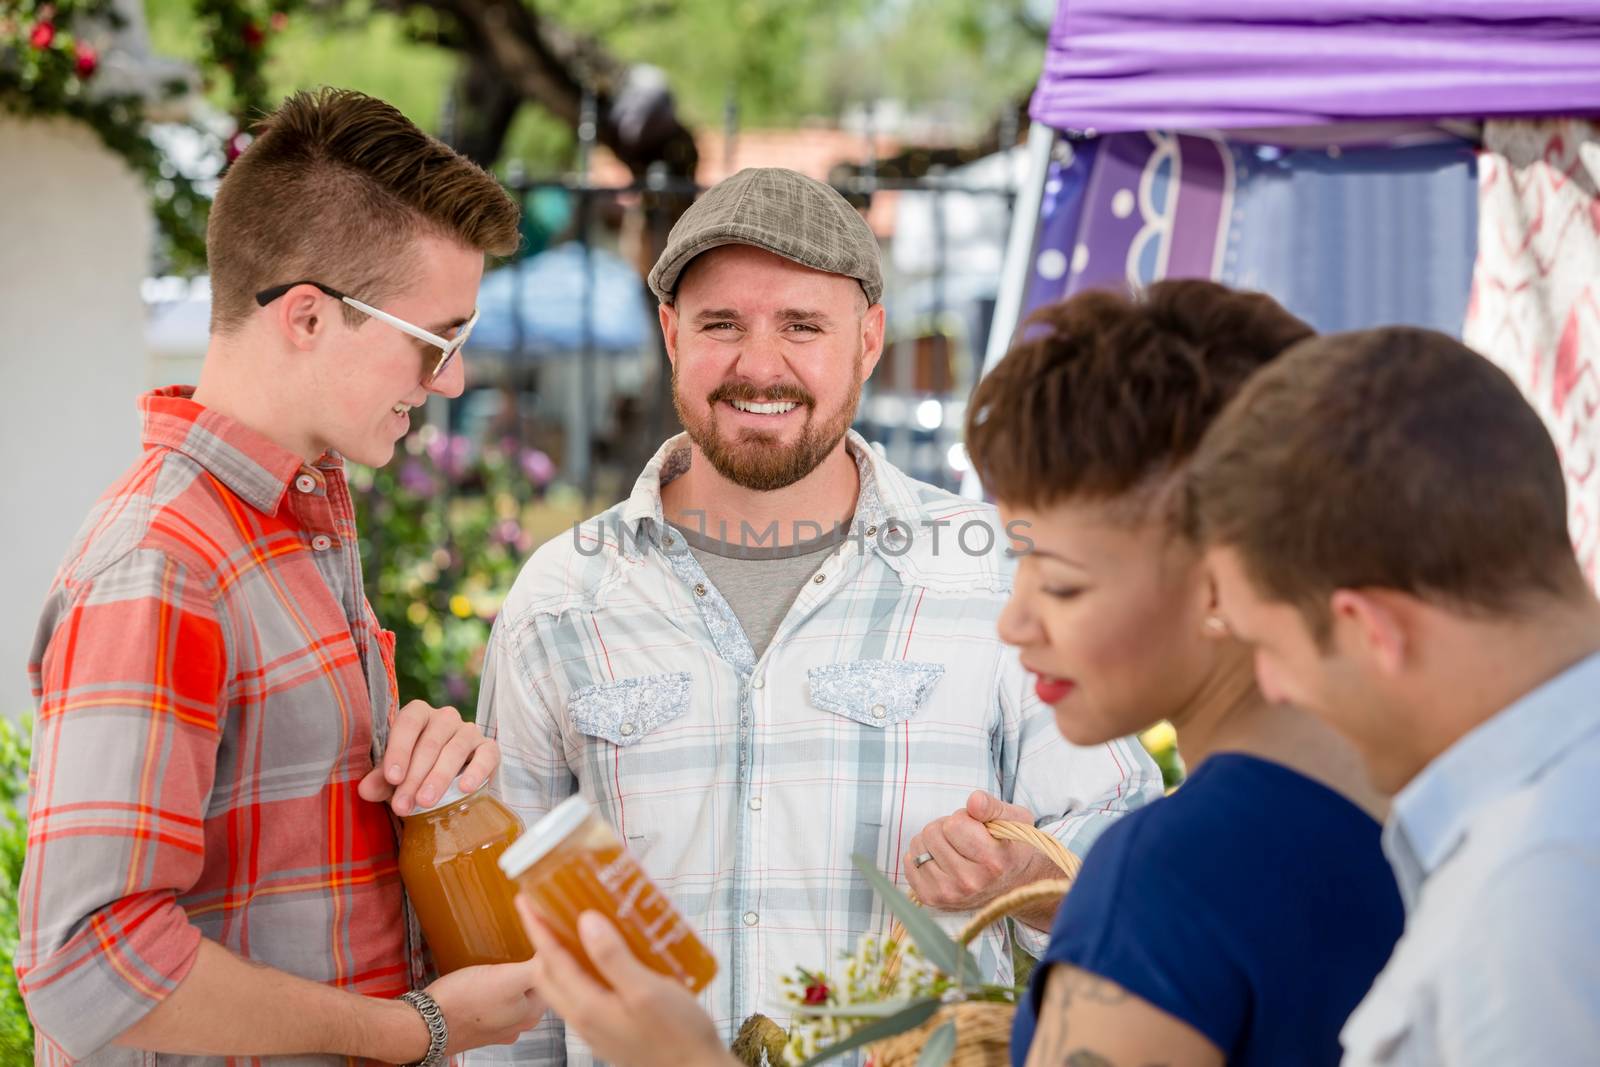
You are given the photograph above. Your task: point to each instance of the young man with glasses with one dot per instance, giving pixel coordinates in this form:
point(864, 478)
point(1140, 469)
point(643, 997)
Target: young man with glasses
point(211, 868)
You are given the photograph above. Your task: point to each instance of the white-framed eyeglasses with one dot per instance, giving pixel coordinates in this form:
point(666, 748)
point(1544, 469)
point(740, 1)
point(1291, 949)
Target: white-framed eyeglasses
point(431, 368)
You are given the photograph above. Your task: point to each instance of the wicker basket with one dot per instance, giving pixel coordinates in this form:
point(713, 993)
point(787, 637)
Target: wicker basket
point(983, 1028)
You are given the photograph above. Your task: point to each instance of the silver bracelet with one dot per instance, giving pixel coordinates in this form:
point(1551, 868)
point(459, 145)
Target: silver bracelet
point(438, 1032)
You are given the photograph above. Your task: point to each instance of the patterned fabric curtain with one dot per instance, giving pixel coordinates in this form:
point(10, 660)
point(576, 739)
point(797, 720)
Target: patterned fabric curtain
point(1343, 237)
point(1535, 306)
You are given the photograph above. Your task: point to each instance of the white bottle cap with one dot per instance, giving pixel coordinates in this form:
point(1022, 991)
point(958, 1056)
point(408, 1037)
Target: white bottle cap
point(544, 835)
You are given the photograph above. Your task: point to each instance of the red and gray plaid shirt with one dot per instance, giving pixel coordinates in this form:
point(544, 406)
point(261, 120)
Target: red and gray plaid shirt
point(211, 687)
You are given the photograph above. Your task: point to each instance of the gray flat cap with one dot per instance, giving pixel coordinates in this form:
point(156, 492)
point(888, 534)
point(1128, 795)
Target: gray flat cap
point(782, 211)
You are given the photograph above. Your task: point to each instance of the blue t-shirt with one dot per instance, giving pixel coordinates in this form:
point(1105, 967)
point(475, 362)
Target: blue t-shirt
point(1254, 904)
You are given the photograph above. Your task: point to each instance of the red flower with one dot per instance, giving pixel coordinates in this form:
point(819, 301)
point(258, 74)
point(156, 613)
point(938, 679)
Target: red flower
point(87, 59)
point(252, 35)
point(42, 35)
point(816, 993)
point(236, 146)
point(280, 21)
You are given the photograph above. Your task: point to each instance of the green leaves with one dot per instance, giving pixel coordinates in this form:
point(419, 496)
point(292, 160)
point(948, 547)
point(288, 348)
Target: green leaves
point(869, 1009)
point(16, 1032)
point(936, 945)
point(905, 1019)
point(940, 1047)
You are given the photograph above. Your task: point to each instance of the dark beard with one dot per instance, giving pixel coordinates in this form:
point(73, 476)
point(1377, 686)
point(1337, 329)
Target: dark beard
point(756, 460)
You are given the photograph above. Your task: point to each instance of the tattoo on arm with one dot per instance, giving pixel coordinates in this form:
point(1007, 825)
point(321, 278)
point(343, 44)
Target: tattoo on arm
point(1064, 987)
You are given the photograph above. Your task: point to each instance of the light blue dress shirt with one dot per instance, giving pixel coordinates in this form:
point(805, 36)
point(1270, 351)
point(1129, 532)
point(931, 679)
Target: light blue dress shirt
point(1496, 847)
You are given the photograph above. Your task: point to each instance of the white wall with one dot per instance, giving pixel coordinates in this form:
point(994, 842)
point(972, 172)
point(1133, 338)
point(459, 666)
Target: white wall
point(74, 244)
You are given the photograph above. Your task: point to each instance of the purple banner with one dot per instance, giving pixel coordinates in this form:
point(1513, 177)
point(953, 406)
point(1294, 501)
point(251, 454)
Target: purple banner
point(1126, 65)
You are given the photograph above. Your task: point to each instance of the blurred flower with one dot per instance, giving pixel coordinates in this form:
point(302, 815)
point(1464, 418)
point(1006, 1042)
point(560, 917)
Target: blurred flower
point(537, 467)
point(508, 532)
point(86, 59)
point(414, 478)
point(460, 607)
point(455, 688)
point(42, 35)
point(1159, 737)
point(252, 35)
point(236, 145)
point(280, 21)
point(417, 613)
point(451, 453)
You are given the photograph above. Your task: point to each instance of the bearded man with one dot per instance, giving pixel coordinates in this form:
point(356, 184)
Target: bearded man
point(780, 651)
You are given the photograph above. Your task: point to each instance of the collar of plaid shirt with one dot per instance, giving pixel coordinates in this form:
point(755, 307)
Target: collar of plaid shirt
point(910, 525)
point(257, 469)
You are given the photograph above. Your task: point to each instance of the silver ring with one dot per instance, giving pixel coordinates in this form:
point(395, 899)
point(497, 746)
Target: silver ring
point(923, 857)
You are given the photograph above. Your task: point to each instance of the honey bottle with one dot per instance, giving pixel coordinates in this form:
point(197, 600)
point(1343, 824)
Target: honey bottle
point(448, 862)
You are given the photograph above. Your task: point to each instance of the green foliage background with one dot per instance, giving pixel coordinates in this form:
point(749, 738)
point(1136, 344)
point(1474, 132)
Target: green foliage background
point(16, 1033)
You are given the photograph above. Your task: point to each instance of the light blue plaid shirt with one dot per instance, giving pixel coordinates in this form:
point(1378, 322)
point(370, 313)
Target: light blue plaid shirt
point(1496, 846)
point(744, 784)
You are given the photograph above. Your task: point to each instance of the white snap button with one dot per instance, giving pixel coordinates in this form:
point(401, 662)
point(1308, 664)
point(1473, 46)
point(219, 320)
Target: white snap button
point(751, 918)
point(626, 729)
point(758, 682)
point(755, 803)
point(872, 531)
point(819, 579)
point(879, 711)
point(322, 542)
point(306, 484)
point(699, 590)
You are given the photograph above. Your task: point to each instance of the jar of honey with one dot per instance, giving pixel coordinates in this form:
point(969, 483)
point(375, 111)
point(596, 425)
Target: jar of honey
point(447, 862)
point(571, 862)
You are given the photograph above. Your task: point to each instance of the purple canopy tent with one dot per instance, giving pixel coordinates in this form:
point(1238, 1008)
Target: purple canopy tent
point(1135, 65)
point(1365, 162)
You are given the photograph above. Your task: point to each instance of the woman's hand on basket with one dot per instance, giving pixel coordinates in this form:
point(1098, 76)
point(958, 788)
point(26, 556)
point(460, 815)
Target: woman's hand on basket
point(643, 1020)
point(964, 867)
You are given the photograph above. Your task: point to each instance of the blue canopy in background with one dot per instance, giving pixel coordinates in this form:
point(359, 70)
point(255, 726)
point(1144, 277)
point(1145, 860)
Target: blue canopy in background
point(539, 307)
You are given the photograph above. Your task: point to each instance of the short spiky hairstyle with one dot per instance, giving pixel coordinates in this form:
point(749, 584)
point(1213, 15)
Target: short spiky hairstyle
point(1107, 394)
point(336, 187)
point(1395, 458)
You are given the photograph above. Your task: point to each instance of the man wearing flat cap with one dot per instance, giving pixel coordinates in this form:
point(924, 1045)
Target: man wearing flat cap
point(780, 651)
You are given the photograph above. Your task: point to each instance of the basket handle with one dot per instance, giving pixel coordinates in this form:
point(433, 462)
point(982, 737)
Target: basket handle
point(1001, 906)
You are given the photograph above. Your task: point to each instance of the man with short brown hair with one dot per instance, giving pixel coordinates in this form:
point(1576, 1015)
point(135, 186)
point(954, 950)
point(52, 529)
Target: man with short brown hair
point(211, 870)
point(1387, 524)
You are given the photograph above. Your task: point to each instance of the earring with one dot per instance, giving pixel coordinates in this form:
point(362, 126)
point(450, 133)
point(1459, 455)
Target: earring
point(1216, 625)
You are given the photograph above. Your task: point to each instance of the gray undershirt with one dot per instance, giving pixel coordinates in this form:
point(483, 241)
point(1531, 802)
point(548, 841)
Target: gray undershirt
point(759, 583)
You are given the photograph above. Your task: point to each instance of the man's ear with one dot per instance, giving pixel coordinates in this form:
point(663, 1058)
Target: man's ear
point(872, 331)
point(668, 314)
point(1373, 624)
point(301, 316)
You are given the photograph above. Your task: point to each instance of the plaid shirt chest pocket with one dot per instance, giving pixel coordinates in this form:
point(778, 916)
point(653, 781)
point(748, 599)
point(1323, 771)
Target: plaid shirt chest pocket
point(873, 692)
point(634, 776)
point(626, 711)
